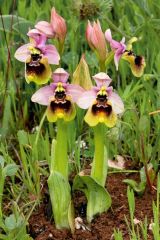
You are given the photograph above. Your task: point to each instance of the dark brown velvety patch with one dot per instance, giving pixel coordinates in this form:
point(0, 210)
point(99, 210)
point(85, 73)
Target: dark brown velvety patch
point(138, 60)
point(97, 108)
point(63, 105)
point(35, 66)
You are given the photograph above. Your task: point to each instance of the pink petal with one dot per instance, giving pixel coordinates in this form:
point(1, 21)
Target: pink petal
point(108, 35)
point(22, 53)
point(115, 45)
point(97, 35)
point(123, 41)
point(86, 99)
point(118, 55)
point(60, 75)
point(102, 79)
point(116, 59)
point(45, 28)
point(58, 25)
point(89, 30)
point(75, 91)
point(42, 95)
point(52, 54)
point(109, 90)
point(117, 104)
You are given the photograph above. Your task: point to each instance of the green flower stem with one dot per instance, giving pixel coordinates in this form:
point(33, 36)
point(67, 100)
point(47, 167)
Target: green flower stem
point(60, 47)
point(102, 66)
point(59, 187)
point(99, 166)
point(110, 57)
point(60, 163)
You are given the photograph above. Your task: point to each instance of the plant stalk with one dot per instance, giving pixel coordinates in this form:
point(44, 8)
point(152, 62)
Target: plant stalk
point(99, 167)
point(102, 66)
point(60, 163)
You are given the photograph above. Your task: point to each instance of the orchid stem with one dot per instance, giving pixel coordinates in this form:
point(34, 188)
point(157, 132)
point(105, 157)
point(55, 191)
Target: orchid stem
point(61, 158)
point(102, 66)
point(60, 48)
point(99, 168)
point(110, 57)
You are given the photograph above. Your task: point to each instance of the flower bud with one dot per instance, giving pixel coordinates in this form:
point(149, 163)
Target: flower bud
point(59, 25)
point(96, 39)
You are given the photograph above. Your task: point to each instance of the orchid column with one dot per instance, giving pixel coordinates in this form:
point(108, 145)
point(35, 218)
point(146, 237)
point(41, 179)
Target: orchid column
point(103, 106)
point(59, 97)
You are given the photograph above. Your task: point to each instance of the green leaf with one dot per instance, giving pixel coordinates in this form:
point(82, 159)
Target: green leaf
point(59, 190)
point(8, 21)
point(137, 187)
point(11, 169)
point(71, 217)
point(98, 198)
point(23, 27)
point(2, 161)
point(144, 124)
point(6, 122)
point(22, 137)
point(11, 222)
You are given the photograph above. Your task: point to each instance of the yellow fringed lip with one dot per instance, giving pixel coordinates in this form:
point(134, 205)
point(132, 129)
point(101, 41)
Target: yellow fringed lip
point(109, 119)
point(101, 111)
point(61, 106)
point(37, 69)
point(137, 63)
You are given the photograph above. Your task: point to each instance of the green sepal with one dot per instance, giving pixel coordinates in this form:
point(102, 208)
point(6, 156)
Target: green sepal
point(59, 190)
point(98, 198)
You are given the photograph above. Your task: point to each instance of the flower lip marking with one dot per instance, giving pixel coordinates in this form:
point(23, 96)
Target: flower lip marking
point(36, 57)
point(34, 65)
point(60, 96)
point(60, 103)
point(129, 53)
point(102, 105)
point(60, 106)
point(138, 60)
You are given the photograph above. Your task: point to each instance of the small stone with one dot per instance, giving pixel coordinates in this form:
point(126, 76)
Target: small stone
point(136, 221)
point(78, 222)
point(50, 235)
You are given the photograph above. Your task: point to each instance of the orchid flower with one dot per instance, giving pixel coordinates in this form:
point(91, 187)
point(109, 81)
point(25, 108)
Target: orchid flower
point(124, 51)
point(96, 40)
point(56, 28)
point(59, 97)
point(37, 57)
point(118, 47)
point(102, 102)
point(137, 63)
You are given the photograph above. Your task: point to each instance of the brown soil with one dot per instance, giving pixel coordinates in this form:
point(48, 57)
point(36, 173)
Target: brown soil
point(102, 227)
